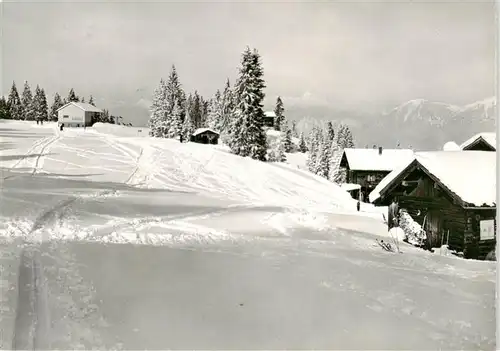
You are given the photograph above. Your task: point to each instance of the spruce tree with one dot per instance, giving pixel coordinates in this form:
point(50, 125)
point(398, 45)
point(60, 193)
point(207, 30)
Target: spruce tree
point(214, 118)
point(14, 102)
point(247, 132)
point(313, 150)
point(83, 99)
point(72, 97)
point(324, 157)
point(196, 112)
point(302, 143)
point(287, 137)
point(295, 133)
point(39, 105)
point(173, 106)
point(27, 103)
point(176, 121)
point(277, 151)
point(4, 109)
point(187, 127)
point(44, 108)
point(91, 100)
point(331, 131)
point(157, 109)
point(57, 104)
point(278, 111)
point(319, 152)
point(335, 173)
point(227, 107)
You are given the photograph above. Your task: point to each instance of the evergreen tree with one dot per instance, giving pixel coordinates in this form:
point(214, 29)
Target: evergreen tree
point(204, 111)
point(312, 157)
point(176, 121)
point(57, 104)
point(14, 103)
point(40, 105)
point(287, 137)
point(335, 174)
point(83, 99)
point(27, 103)
point(302, 143)
point(173, 106)
point(227, 107)
point(277, 151)
point(196, 110)
point(72, 97)
point(294, 129)
point(344, 137)
point(331, 131)
point(158, 112)
point(214, 118)
point(324, 157)
point(4, 109)
point(106, 118)
point(187, 127)
point(91, 101)
point(247, 132)
point(278, 111)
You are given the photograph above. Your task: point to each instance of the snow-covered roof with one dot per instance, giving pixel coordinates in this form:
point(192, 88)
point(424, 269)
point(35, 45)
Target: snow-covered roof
point(451, 146)
point(371, 160)
point(83, 105)
point(489, 138)
point(270, 114)
point(471, 175)
point(350, 186)
point(203, 130)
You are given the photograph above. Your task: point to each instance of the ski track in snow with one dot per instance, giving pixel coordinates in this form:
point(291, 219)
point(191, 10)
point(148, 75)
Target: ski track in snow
point(78, 332)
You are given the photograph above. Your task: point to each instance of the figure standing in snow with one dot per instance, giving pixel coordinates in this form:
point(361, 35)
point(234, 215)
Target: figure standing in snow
point(393, 214)
point(61, 127)
point(358, 205)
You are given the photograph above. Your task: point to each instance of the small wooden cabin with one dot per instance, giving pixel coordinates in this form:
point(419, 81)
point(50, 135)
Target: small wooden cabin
point(451, 194)
point(205, 136)
point(481, 142)
point(367, 167)
point(269, 117)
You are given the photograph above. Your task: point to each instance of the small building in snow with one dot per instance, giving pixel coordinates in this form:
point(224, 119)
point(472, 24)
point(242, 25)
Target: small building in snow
point(78, 114)
point(367, 167)
point(269, 117)
point(352, 189)
point(451, 194)
point(481, 142)
point(205, 136)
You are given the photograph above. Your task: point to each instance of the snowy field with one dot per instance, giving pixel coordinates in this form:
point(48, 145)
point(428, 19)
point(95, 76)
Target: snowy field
point(139, 243)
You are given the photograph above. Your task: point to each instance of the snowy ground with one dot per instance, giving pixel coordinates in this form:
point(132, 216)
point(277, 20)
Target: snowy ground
point(133, 243)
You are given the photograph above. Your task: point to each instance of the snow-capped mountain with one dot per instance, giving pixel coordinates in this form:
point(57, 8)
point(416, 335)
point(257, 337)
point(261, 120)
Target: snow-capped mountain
point(420, 124)
point(427, 125)
point(436, 113)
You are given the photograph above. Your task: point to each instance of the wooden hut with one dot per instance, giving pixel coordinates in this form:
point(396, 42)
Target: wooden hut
point(268, 119)
point(367, 167)
point(205, 136)
point(451, 194)
point(481, 142)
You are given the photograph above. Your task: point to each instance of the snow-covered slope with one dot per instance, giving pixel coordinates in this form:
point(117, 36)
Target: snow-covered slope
point(118, 154)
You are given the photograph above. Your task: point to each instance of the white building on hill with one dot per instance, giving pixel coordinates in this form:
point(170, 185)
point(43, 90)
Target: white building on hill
point(77, 114)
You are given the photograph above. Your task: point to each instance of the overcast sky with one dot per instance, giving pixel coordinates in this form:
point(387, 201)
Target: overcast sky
point(349, 54)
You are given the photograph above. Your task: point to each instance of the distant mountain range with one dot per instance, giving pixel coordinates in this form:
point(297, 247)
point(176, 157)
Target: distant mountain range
point(420, 124)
